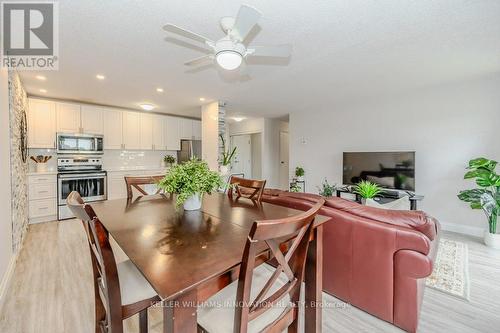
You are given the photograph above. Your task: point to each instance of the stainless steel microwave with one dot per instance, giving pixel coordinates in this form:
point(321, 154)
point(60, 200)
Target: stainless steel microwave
point(88, 144)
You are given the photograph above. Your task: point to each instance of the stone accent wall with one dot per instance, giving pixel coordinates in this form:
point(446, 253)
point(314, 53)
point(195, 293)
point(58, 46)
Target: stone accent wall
point(18, 101)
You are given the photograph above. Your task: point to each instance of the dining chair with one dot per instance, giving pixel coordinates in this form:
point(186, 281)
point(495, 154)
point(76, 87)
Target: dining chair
point(137, 182)
point(120, 289)
point(264, 298)
point(246, 188)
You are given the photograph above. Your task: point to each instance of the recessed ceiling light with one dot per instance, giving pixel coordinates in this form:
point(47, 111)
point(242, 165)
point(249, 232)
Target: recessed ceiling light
point(41, 77)
point(100, 77)
point(160, 90)
point(43, 91)
point(238, 119)
point(202, 99)
point(147, 106)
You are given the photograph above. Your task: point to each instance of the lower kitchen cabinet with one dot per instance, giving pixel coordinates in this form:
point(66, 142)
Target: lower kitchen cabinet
point(42, 198)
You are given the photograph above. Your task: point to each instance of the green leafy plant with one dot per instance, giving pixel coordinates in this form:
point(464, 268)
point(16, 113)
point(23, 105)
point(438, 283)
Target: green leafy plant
point(299, 172)
point(169, 159)
point(189, 178)
point(295, 188)
point(227, 156)
point(487, 196)
point(367, 190)
point(327, 190)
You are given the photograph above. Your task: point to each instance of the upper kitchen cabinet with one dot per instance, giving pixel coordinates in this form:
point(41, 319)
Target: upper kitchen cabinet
point(159, 142)
point(68, 117)
point(92, 119)
point(196, 129)
point(41, 124)
point(186, 127)
point(172, 133)
point(131, 130)
point(113, 134)
point(146, 131)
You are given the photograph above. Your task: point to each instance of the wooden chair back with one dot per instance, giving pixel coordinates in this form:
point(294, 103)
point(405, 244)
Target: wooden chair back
point(137, 182)
point(246, 188)
point(298, 229)
point(108, 307)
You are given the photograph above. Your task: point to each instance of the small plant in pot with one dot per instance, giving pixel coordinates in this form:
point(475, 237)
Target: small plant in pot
point(169, 160)
point(327, 190)
point(190, 181)
point(486, 197)
point(299, 173)
point(226, 157)
point(367, 190)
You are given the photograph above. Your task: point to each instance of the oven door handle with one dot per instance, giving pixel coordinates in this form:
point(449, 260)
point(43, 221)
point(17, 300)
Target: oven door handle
point(87, 176)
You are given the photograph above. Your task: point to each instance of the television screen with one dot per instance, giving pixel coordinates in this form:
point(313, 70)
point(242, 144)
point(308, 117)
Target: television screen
point(394, 170)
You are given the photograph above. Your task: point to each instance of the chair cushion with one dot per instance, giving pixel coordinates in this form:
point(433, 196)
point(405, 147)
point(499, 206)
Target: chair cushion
point(217, 313)
point(133, 286)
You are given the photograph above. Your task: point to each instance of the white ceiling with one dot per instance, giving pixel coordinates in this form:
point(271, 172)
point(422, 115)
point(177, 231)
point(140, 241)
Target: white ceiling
point(343, 50)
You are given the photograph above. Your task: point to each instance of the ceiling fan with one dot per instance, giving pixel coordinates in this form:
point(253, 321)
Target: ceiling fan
point(229, 52)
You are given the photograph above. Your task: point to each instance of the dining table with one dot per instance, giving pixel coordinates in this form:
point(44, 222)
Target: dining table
point(187, 256)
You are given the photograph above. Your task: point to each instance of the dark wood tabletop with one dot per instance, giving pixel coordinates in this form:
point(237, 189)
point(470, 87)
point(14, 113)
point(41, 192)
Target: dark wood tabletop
point(178, 250)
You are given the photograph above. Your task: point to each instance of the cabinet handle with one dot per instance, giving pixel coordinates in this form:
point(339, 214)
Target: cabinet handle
point(43, 208)
point(43, 191)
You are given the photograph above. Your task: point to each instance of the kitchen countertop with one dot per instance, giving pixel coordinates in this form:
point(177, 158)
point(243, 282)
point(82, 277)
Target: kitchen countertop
point(45, 173)
point(136, 168)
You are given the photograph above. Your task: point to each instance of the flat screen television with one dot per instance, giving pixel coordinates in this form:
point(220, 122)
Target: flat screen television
point(392, 170)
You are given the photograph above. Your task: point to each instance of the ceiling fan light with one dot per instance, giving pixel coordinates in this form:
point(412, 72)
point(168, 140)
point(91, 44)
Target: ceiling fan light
point(229, 60)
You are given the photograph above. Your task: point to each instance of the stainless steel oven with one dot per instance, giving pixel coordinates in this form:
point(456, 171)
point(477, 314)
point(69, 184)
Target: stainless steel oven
point(83, 175)
point(88, 144)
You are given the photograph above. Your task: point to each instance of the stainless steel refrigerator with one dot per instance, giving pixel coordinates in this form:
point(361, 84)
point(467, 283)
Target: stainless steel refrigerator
point(189, 149)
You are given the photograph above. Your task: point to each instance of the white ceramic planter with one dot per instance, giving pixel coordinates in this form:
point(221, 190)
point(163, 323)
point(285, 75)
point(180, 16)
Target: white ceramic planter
point(224, 170)
point(41, 167)
point(492, 240)
point(193, 202)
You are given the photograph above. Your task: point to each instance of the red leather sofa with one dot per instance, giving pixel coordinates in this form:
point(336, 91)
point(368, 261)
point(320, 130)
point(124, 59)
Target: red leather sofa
point(374, 259)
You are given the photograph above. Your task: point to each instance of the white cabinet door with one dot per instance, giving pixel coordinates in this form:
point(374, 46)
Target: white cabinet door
point(146, 131)
point(172, 133)
point(186, 126)
point(159, 133)
point(68, 117)
point(116, 186)
point(197, 129)
point(92, 119)
point(41, 124)
point(131, 130)
point(112, 129)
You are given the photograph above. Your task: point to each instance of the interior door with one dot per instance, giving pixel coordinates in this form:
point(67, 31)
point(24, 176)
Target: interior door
point(284, 156)
point(242, 162)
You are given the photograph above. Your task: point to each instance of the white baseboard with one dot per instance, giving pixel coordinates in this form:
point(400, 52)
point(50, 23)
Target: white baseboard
point(463, 229)
point(5, 283)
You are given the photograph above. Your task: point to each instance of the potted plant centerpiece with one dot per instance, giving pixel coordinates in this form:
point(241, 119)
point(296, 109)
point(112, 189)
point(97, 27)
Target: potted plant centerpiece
point(486, 197)
point(226, 157)
point(169, 160)
point(299, 173)
point(190, 180)
point(367, 190)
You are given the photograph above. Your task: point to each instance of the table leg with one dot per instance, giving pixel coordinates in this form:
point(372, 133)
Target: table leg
point(314, 283)
point(179, 315)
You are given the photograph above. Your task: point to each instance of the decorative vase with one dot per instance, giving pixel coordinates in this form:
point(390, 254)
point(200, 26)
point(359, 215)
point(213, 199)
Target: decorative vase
point(300, 178)
point(492, 240)
point(41, 167)
point(224, 170)
point(193, 202)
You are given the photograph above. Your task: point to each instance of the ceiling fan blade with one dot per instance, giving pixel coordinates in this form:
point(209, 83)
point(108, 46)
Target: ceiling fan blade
point(201, 60)
point(246, 19)
point(281, 51)
point(186, 33)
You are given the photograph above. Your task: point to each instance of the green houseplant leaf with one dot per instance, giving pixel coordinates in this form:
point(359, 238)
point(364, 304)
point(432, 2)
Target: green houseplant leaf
point(367, 190)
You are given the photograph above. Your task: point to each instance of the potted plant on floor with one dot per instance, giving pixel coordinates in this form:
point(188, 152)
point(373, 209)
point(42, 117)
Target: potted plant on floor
point(299, 173)
point(226, 158)
point(190, 180)
point(367, 190)
point(486, 197)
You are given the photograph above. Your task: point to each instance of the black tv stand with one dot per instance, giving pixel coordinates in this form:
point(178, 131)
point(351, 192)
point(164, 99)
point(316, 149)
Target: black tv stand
point(386, 196)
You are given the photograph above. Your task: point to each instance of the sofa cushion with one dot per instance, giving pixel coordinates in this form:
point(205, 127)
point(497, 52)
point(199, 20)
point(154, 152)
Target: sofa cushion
point(416, 220)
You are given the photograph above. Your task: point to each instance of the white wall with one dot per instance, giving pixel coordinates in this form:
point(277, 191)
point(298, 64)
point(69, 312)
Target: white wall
point(256, 155)
point(210, 134)
point(6, 254)
point(446, 126)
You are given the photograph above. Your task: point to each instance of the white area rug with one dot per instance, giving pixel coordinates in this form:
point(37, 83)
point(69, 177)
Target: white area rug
point(451, 269)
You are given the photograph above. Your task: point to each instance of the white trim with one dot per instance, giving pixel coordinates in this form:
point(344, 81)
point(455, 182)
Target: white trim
point(5, 283)
point(463, 229)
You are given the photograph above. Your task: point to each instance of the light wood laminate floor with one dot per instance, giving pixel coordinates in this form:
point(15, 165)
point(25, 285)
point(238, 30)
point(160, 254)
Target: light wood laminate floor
point(51, 291)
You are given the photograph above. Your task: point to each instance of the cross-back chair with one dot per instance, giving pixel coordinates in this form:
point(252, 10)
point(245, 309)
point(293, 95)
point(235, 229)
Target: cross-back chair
point(265, 298)
point(137, 182)
point(246, 188)
point(120, 290)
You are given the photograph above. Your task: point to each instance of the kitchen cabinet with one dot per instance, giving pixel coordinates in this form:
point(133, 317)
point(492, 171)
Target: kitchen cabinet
point(41, 124)
point(196, 129)
point(42, 197)
point(159, 133)
point(186, 127)
point(172, 133)
point(113, 129)
point(146, 131)
point(68, 118)
point(92, 119)
point(131, 130)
